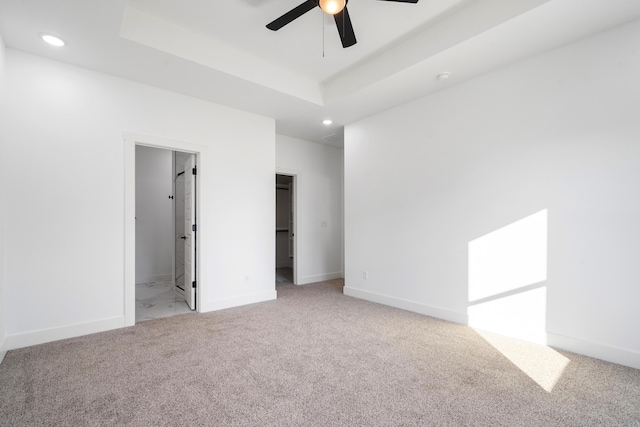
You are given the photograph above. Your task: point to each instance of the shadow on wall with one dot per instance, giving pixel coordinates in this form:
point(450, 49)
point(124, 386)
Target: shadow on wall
point(508, 296)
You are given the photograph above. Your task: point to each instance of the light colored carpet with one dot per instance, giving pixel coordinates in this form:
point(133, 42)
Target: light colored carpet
point(312, 357)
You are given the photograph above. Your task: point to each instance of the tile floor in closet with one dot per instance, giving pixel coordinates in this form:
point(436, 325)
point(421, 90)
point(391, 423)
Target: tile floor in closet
point(158, 299)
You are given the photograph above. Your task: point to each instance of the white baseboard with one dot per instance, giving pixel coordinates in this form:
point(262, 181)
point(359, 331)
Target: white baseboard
point(428, 310)
point(3, 351)
point(608, 353)
point(42, 336)
point(154, 278)
point(305, 280)
point(223, 303)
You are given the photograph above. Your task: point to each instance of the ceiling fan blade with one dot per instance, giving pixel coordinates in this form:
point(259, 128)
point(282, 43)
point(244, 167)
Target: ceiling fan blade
point(345, 29)
point(403, 1)
point(292, 15)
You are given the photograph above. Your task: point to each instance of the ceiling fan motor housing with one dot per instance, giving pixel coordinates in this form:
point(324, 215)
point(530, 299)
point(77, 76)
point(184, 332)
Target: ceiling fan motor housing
point(337, 8)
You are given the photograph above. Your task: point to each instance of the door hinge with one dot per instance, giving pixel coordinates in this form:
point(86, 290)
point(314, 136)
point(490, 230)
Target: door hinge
point(193, 284)
point(194, 228)
point(195, 170)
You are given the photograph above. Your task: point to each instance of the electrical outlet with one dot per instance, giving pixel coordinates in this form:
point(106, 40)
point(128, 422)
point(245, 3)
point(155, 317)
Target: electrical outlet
point(365, 275)
point(246, 279)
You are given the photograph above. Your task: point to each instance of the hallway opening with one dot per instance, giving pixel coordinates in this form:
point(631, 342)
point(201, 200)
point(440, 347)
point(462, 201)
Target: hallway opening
point(285, 229)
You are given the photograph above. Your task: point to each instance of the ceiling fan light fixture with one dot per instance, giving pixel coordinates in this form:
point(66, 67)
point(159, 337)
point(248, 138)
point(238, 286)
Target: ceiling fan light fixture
point(337, 8)
point(332, 6)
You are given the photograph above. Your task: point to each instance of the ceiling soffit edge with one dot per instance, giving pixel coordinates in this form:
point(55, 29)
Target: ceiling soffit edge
point(453, 29)
point(156, 33)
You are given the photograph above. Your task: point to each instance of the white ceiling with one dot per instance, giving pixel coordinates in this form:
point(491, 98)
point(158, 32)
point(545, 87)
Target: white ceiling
point(299, 75)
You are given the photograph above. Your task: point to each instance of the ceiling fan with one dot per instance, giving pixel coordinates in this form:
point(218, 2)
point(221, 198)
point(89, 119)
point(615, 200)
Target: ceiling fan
point(337, 8)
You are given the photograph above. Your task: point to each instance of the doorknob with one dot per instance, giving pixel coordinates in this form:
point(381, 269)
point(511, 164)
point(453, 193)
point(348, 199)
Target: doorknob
point(183, 237)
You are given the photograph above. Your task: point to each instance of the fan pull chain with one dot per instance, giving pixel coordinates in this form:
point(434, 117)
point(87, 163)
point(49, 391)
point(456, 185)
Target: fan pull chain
point(322, 34)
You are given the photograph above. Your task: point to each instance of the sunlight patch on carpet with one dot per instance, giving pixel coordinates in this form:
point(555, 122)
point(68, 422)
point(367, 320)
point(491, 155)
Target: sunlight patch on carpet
point(542, 364)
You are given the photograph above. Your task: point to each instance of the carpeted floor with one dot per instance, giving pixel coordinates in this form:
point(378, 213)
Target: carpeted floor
point(312, 357)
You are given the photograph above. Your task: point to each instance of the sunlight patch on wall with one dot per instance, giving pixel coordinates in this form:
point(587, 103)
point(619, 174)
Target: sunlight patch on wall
point(508, 296)
point(506, 271)
point(522, 315)
point(542, 364)
point(509, 258)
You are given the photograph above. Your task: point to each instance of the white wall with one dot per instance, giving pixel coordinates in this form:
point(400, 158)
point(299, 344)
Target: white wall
point(154, 216)
point(558, 132)
point(3, 198)
point(319, 179)
point(65, 270)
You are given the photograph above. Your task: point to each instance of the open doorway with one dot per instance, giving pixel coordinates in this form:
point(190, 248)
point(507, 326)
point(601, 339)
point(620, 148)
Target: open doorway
point(165, 220)
point(285, 230)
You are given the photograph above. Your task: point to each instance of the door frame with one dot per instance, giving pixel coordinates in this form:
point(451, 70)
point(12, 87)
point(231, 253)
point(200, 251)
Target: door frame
point(294, 205)
point(131, 140)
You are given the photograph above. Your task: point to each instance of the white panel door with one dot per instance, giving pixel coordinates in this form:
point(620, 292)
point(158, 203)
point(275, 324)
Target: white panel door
point(190, 232)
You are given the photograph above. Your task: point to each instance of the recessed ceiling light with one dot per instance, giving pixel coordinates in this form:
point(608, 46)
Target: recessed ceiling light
point(443, 76)
point(52, 40)
point(327, 122)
